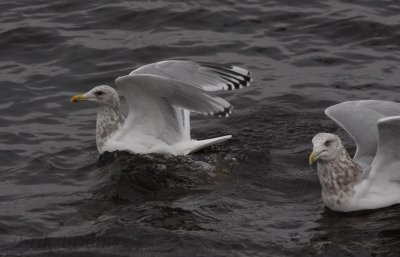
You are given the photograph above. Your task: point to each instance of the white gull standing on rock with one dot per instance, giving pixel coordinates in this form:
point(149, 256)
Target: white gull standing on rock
point(160, 97)
point(372, 179)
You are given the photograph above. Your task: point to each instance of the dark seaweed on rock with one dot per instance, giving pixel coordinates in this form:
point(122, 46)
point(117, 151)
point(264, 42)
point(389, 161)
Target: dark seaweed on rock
point(135, 177)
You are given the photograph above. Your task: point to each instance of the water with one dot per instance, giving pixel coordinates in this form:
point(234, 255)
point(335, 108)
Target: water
point(253, 196)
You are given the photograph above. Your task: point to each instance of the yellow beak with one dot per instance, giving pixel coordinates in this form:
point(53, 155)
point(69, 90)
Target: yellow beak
point(312, 158)
point(78, 98)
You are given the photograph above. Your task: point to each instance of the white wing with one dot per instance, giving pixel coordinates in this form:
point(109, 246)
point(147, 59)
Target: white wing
point(207, 76)
point(159, 107)
point(359, 119)
point(386, 165)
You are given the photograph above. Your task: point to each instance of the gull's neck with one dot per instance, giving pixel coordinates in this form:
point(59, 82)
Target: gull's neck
point(337, 178)
point(109, 119)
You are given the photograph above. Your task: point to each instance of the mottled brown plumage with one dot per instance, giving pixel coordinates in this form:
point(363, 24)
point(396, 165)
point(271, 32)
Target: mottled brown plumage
point(109, 120)
point(338, 178)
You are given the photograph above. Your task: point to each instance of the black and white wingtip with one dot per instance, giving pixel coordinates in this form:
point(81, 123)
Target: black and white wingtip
point(233, 77)
point(224, 113)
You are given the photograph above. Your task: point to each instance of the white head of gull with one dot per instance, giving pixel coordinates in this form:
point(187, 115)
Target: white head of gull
point(160, 97)
point(372, 179)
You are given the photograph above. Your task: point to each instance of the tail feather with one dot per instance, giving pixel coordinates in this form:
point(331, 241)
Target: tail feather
point(196, 145)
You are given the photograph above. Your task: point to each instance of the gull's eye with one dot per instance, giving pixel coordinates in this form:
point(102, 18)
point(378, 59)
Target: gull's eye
point(99, 93)
point(328, 142)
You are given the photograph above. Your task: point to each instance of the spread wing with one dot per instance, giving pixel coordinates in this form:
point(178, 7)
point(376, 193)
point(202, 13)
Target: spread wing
point(359, 119)
point(386, 165)
point(207, 76)
point(159, 106)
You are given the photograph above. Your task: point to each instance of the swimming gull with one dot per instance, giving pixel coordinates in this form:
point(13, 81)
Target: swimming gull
point(372, 179)
point(160, 98)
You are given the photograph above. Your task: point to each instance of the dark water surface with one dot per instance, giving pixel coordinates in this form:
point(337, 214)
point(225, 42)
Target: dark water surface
point(253, 196)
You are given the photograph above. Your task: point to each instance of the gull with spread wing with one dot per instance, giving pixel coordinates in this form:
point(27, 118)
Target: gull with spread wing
point(370, 180)
point(160, 97)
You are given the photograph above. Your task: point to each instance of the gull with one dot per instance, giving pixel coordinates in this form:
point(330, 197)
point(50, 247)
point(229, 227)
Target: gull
point(370, 180)
point(160, 98)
